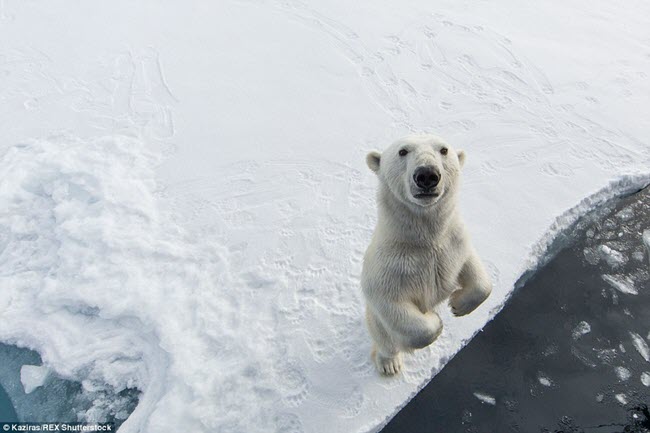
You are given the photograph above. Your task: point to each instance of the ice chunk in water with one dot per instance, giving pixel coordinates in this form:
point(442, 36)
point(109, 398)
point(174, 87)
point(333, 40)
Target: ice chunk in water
point(622, 398)
point(33, 376)
point(623, 373)
point(611, 256)
point(626, 214)
point(638, 256)
point(641, 346)
point(592, 256)
point(622, 283)
point(581, 329)
point(544, 380)
point(646, 241)
point(485, 398)
point(645, 378)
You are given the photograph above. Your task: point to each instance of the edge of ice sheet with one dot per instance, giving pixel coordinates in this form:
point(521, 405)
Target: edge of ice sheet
point(554, 239)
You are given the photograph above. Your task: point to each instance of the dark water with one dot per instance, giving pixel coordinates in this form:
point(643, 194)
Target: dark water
point(58, 400)
point(7, 411)
point(566, 354)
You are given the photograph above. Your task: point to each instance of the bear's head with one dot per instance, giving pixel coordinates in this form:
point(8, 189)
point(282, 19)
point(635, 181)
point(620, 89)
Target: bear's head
point(419, 170)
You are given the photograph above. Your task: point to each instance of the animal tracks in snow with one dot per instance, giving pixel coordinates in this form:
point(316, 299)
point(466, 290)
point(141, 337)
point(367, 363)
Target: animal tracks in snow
point(124, 92)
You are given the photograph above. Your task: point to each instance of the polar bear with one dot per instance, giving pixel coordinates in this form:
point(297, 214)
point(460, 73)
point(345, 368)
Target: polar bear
point(420, 254)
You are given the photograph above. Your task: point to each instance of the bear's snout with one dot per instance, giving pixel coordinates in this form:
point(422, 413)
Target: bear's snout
point(426, 177)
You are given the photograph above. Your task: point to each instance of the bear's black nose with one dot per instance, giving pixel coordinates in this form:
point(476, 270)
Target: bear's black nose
point(426, 177)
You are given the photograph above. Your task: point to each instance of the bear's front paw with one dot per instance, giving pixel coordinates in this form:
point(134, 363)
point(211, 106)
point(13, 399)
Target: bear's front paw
point(465, 301)
point(387, 365)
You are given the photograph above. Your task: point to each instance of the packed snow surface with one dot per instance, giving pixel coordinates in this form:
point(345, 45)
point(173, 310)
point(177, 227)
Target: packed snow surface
point(184, 202)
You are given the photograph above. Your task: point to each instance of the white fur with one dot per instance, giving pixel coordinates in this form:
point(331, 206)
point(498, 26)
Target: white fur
point(420, 254)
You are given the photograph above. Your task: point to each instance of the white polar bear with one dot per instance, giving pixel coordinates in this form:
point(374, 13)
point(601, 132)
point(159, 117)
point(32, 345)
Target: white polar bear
point(420, 253)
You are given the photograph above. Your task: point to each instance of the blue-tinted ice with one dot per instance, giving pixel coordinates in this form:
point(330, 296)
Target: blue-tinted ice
point(57, 399)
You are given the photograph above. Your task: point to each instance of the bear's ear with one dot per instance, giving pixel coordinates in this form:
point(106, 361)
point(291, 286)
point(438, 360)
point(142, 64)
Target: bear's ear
point(461, 157)
point(372, 159)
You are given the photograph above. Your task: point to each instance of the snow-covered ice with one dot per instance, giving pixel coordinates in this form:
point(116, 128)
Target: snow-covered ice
point(33, 376)
point(184, 202)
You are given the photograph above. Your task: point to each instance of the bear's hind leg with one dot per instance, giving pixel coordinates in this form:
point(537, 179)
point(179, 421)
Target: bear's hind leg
point(475, 287)
point(385, 353)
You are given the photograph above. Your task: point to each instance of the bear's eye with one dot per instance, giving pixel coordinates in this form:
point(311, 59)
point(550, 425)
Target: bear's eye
point(403, 152)
point(444, 150)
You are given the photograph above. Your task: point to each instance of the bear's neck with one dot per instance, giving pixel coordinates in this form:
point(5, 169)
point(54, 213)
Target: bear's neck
point(416, 226)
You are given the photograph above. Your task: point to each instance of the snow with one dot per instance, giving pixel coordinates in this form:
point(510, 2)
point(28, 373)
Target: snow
point(485, 398)
point(184, 203)
point(33, 376)
point(641, 346)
